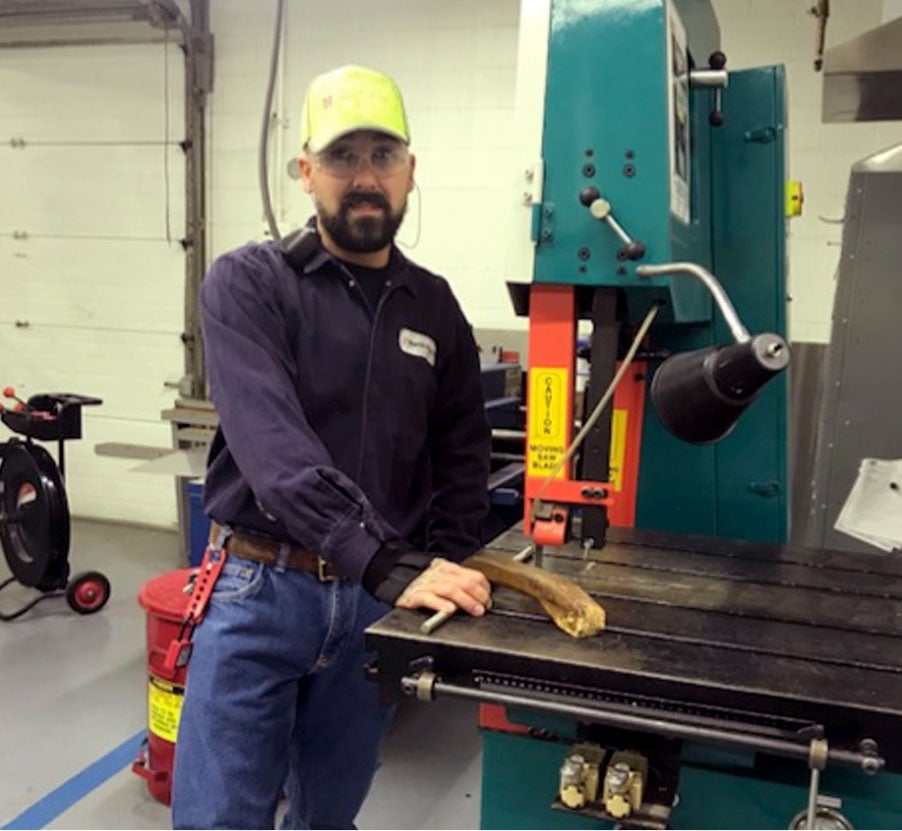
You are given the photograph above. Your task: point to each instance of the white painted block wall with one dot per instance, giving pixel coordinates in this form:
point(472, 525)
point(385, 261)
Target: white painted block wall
point(92, 276)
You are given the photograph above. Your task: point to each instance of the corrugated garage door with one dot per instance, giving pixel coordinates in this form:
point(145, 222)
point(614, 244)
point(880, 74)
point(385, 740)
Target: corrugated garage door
point(92, 271)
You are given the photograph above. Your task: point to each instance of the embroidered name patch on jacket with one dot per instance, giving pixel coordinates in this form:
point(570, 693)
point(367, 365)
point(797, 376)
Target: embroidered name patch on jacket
point(417, 344)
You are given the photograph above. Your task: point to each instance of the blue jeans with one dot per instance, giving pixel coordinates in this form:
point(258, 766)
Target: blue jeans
point(276, 701)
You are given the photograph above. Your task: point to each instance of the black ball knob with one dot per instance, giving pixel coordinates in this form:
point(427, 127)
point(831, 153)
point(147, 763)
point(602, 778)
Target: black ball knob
point(715, 118)
point(634, 250)
point(588, 195)
point(717, 60)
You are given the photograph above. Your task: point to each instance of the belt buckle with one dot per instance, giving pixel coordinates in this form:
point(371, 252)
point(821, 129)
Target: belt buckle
point(321, 566)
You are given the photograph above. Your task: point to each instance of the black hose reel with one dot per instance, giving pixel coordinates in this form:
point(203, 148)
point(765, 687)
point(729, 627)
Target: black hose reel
point(34, 511)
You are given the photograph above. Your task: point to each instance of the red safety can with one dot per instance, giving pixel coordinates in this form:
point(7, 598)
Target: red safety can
point(165, 600)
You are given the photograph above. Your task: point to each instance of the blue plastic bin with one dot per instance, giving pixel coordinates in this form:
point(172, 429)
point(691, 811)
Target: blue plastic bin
point(198, 524)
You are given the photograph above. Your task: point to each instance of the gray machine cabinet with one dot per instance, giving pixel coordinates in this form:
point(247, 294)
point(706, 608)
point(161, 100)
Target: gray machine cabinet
point(861, 400)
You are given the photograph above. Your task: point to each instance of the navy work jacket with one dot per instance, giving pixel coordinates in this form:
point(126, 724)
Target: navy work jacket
point(342, 427)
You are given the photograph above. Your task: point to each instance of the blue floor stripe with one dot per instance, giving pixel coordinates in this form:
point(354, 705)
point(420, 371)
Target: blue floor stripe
point(79, 786)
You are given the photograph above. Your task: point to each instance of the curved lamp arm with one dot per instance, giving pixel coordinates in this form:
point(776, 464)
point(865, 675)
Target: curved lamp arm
point(710, 282)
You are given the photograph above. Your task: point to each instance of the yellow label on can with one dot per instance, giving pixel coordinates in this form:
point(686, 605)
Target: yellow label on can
point(618, 448)
point(548, 392)
point(164, 707)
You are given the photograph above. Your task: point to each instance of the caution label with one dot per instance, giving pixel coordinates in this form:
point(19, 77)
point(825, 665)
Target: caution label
point(548, 390)
point(619, 420)
point(164, 707)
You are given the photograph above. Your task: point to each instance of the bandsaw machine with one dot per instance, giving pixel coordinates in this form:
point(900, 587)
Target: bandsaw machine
point(740, 681)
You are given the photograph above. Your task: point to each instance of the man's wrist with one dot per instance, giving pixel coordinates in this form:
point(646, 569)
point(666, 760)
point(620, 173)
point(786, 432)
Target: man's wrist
point(394, 566)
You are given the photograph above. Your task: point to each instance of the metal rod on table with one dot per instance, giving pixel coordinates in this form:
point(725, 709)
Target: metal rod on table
point(429, 626)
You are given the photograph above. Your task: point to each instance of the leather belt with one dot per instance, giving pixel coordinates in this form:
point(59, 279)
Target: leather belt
point(266, 551)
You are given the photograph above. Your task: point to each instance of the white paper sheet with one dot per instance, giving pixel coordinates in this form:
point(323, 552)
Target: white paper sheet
point(872, 512)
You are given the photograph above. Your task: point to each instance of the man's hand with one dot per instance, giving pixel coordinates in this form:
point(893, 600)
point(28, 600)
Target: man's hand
point(447, 587)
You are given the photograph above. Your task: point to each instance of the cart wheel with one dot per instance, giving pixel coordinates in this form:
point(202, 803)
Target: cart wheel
point(88, 592)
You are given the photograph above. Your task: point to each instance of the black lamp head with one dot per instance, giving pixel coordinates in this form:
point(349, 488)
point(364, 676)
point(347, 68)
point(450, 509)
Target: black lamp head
point(700, 395)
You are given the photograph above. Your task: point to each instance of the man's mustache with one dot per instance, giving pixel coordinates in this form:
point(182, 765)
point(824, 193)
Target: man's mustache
point(356, 198)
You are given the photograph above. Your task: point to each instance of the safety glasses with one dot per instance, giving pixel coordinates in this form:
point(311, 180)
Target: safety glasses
point(345, 159)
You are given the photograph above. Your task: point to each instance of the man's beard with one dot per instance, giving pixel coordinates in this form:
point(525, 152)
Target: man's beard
point(362, 234)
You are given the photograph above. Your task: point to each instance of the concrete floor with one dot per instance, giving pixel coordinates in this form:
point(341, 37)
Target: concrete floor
point(73, 711)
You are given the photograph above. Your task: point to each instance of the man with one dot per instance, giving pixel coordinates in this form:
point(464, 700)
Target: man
point(348, 474)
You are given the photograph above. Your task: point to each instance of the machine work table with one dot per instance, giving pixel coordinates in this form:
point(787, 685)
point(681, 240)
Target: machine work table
point(763, 647)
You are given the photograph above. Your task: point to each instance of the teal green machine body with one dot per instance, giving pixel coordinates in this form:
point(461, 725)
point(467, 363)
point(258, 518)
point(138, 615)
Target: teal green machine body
point(616, 119)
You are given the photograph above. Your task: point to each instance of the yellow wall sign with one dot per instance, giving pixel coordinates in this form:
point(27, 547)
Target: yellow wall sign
point(548, 392)
point(795, 198)
point(164, 707)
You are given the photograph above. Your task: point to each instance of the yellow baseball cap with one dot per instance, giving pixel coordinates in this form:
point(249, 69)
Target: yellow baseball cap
point(347, 99)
